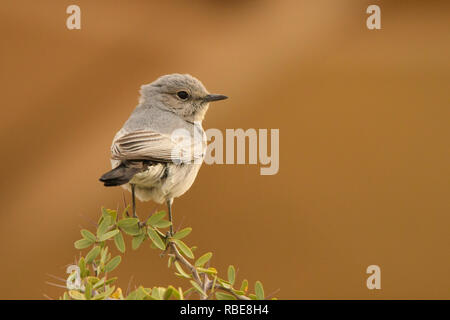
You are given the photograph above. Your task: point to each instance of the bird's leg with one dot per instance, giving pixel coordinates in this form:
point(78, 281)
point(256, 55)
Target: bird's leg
point(169, 207)
point(133, 199)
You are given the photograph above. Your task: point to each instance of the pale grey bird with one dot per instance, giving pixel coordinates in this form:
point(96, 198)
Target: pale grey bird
point(159, 150)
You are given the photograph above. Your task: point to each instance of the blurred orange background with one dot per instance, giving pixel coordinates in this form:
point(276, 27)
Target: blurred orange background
point(364, 139)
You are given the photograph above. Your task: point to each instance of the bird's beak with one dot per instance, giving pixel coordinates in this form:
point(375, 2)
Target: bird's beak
point(214, 97)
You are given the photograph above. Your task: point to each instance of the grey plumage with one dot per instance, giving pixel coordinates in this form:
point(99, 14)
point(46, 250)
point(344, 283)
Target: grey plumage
point(145, 153)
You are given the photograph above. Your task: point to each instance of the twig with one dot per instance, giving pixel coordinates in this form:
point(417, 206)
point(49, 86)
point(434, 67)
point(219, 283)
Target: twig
point(206, 284)
point(187, 264)
point(237, 296)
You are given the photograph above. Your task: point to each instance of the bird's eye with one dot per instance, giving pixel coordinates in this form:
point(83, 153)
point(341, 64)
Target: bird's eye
point(183, 95)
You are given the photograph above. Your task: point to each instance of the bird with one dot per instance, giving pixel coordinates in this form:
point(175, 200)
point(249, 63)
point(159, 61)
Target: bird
point(160, 148)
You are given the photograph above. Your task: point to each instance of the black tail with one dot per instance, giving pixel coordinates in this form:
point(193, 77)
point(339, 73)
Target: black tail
point(119, 175)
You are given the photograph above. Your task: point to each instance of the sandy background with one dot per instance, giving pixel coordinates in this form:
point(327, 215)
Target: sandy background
point(364, 139)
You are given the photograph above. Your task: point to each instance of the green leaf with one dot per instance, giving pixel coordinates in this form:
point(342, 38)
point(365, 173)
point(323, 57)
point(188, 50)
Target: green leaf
point(155, 218)
point(203, 259)
point(129, 226)
point(132, 230)
point(259, 290)
point(106, 294)
point(238, 292)
point(103, 255)
point(108, 220)
point(224, 283)
point(92, 280)
point(184, 248)
point(148, 293)
point(86, 234)
point(99, 283)
point(155, 293)
point(197, 287)
point(88, 291)
point(111, 280)
point(133, 295)
point(118, 294)
point(168, 293)
point(137, 240)
point(111, 265)
point(120, 243)
point(224, 296)
point(125, 211)
point(103, 226)
point(158, 293)
point(181, 271)
point(113, 214)
point(244, 285)
point(182, 233)
point(162, 224)
point(100, 220)
point(162, 291)
point(214, 283)
point(156, 239)
point(82, 266)
point(127, 222)
point(188, 291)
point(108, 235)
point(90, 257)
point(231, 275)
point(170, 260)
point(138, 294)
point(175, 293)
point(82, 243)
point(110, 213)
point(208, 271)
point(76, 295)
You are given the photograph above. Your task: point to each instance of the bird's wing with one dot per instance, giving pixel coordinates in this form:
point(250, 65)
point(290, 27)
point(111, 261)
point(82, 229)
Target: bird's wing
point(150, 145)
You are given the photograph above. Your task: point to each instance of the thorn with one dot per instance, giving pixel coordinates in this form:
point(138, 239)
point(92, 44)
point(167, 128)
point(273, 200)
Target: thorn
point(125, 204)
point(47, 297)
point(55, 277)
point(129, 285)
point(272, 294)
point(181, 223)
point(55, 284)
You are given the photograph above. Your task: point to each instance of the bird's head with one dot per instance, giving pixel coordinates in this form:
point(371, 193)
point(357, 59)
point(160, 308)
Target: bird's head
point(181, 94)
